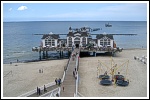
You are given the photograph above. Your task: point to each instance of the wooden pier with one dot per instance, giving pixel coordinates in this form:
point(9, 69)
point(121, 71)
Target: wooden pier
point(69, 83)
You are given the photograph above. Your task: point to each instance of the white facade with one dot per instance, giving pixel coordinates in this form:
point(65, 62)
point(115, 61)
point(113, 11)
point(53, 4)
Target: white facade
point(76, 40)
point(105, 41)
point(49, 41)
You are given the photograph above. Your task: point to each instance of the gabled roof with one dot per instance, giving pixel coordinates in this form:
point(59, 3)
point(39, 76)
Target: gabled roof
point(99, 36)
point(70, 34)
point(55, 36)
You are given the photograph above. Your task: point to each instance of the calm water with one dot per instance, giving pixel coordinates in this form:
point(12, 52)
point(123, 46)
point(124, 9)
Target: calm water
point(18, 39)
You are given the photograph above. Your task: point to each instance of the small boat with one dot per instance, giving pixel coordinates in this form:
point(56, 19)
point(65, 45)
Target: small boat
point(108, 25)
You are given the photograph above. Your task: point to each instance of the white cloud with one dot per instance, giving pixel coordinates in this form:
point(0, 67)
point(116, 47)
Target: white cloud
point(10, 9)
point(22, 8)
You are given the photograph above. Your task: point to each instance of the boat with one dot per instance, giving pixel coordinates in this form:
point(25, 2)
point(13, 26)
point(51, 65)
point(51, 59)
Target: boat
point(108, 25)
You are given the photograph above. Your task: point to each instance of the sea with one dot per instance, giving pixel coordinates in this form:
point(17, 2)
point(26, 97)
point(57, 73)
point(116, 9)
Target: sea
point(18, 38)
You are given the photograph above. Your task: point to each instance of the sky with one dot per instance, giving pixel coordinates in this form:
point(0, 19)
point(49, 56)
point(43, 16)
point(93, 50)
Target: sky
point(74, 11)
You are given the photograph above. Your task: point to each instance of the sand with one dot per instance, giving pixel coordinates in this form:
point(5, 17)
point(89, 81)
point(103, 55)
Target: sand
point(137, 74)
point(26, 77)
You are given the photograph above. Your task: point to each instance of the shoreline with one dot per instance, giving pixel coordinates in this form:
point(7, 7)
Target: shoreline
point(37, 60)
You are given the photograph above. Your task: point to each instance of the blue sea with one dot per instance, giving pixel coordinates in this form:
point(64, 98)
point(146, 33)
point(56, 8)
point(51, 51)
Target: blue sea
point(18, 38)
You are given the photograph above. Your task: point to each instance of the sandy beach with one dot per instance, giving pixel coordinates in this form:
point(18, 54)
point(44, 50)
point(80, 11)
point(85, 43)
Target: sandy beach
point(26, 77)
point(137, 74)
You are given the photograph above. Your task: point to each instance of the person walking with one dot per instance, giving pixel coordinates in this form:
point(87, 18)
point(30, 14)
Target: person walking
point(60, 80)
point(45, 89)
point(56, 81)
point(73, 73)
point(37, 90)
point(63, 88)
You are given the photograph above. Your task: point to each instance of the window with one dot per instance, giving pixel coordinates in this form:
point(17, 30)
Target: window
point(50, 41)
point(70, 41)
point(83, 41)
point(104, 42)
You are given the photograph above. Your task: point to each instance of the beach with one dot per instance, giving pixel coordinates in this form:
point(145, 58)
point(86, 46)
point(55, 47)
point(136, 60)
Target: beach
point(136, 73)
point(19, 78)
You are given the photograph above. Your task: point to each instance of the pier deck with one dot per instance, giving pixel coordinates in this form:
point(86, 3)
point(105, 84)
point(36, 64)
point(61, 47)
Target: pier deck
point(69, 83)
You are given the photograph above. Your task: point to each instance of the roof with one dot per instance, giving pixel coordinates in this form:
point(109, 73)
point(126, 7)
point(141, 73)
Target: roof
point(70, 34)
point(82, 34)
point(55, 36)
point(99, 36)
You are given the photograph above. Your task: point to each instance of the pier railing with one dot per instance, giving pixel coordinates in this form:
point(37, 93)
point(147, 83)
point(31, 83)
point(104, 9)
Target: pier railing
point(35, 90)
point(65, 68)
point(77, 79)
point(108, 49)
point(53, 93)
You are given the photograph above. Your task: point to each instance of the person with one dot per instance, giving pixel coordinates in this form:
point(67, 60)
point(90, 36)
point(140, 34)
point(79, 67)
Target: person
point(75, 76)
point(73, 73)
point(72, 57)
point(45, 89)
point(37, 90)
point(75, 69)
point(56, 81)
point(63, 88)
point(59, 81)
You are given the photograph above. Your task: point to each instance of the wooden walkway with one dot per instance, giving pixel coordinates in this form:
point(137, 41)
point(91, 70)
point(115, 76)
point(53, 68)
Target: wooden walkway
point(69, 82)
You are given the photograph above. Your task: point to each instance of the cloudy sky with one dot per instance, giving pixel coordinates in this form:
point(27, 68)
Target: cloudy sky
point(74, 11)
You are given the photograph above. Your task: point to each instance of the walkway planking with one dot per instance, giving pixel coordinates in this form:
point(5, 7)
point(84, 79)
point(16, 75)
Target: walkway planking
point(69, 82)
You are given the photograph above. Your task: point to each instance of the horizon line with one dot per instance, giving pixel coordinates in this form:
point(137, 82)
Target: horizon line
point(73, 20)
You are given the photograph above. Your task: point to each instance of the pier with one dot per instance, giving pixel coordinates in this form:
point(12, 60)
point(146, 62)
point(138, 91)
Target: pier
point(70, 83)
